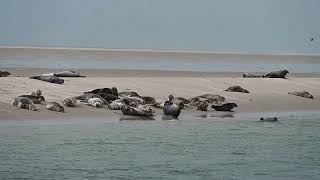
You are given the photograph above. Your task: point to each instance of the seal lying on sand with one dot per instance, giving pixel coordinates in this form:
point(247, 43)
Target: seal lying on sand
point(128, 93)
point(198, 104)
point(34, 99)
point(68, 74)
point(304, 94)
point(148, 99)
point(277, 74)
point(4, 73)
point(70, 102)
point(139, 110)
point(237, 89)
point(212, 98)
point(24, 103)
point(95, 102)
point(250, 75)
point(87, 96)
point(49, 78)
point(269, 119)
point(54, 106)
point(224, 107)
point(112, 91)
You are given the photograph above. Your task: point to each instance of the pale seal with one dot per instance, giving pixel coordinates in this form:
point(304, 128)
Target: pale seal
point(277, 74)
point(237, 89)
point(54, 106)
point(198, 104)
point(95, 102)
point(68, 74)
point(304, 94)
point(224, 107)
point(212, 98)
point(24, 103)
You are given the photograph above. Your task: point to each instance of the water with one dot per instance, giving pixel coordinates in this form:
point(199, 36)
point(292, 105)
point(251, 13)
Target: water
point(202, 62)
point(189, 148)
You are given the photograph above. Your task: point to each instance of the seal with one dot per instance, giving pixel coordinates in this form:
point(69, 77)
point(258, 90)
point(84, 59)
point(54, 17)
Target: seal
point(139, 110)
point(304, 94)
point(148, 99)
point(49, 78)
point(277, 74)
point(171, 109)
point(4, 74)
point(100, 90)
point(70, 102)
point(198, 104)
point(54, 106)
point(34, 99)
point(269, 119)
point(68, 74)
point(250, 75)
point(237, 89)
point(95, 102)
point(129, 93)
point(212, 98)
point(224, 107)
point(87, 96)
point(24, 103)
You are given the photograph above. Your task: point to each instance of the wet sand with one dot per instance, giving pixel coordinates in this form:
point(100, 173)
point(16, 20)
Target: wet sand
point(266, 95)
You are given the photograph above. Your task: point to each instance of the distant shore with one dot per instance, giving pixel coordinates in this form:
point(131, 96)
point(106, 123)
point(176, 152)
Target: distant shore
point(266, 95)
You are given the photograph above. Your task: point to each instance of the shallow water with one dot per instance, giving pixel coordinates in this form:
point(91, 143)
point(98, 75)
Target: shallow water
point(72, 59)
point(189, 148)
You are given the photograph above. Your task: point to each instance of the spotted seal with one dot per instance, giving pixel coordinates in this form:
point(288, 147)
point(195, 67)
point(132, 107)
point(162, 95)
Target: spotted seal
point(54, 106)
point(250, 75)
point(24, 103)
point(70, 102)
point(49, 78)
point(68, 74)
point(304, 94)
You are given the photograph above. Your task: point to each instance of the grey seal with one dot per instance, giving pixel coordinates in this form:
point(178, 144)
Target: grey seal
point(4, 74)
point(171, 109)
point(129, 93)
point(24, 103)
point(198, 104)
point(277, 74)
point(237, 89)
point(139, 110)
point(68, 74)
point(95, 102)
point(304, 94)
point(224, 107)
point(49, 78)
point(250, 75)
point(70, 102)
point(87, 96)
point(54, 106)
point(212, 98)
point(269, 119)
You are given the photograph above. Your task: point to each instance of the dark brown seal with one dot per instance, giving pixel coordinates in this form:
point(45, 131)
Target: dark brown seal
point(277, 74)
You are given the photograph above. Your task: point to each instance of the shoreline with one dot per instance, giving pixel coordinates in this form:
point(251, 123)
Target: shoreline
point(266, 95)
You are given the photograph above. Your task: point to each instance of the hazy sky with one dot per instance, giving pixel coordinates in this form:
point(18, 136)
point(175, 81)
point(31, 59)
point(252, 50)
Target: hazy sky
point(217, 25)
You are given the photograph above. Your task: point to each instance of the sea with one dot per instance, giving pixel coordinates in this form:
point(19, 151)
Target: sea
point(191, 147)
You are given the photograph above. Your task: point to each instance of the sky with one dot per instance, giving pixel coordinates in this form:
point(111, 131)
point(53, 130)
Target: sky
point(267, 26)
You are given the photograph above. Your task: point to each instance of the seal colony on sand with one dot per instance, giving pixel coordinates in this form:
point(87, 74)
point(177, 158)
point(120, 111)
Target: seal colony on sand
point(304, 94)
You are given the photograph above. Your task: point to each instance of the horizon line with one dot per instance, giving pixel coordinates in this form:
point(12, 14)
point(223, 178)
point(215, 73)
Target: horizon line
point(151, 50)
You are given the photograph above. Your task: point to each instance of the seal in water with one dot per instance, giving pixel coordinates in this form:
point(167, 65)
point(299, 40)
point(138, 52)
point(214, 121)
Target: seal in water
point(70, 102)
point(49, 78)
point(139, 110)
point(68, 74)
point(269, 119)
point(237, 89)
point(277, 74)
point(304, 94)
point(250, 75)
point(224, 107)
point(54, 106)
point(4, 73)
point(24, 103)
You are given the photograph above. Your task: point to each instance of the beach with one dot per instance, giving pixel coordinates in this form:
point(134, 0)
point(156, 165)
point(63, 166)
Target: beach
point(266, 95)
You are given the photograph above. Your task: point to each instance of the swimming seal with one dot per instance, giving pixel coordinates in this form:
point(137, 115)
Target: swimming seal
point(277, 74)
point(24, 103)
point(224, 107)
point(304, 94)
point(237, 89)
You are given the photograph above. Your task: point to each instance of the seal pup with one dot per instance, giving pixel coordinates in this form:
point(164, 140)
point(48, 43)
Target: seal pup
point(54, 106)
point(49, 78)
point(171, 109)
point(68, 74)
point(4, 73)
point(225, 107)
point(95, 102)
point(24, 103)
point(100, 90)
point(277, 74)
point(269, 119)
point(250, 75)
point(70, 102)
point(237, 89)
point(304, 94)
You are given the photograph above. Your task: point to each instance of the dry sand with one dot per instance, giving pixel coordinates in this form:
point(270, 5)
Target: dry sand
point(266, 95)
